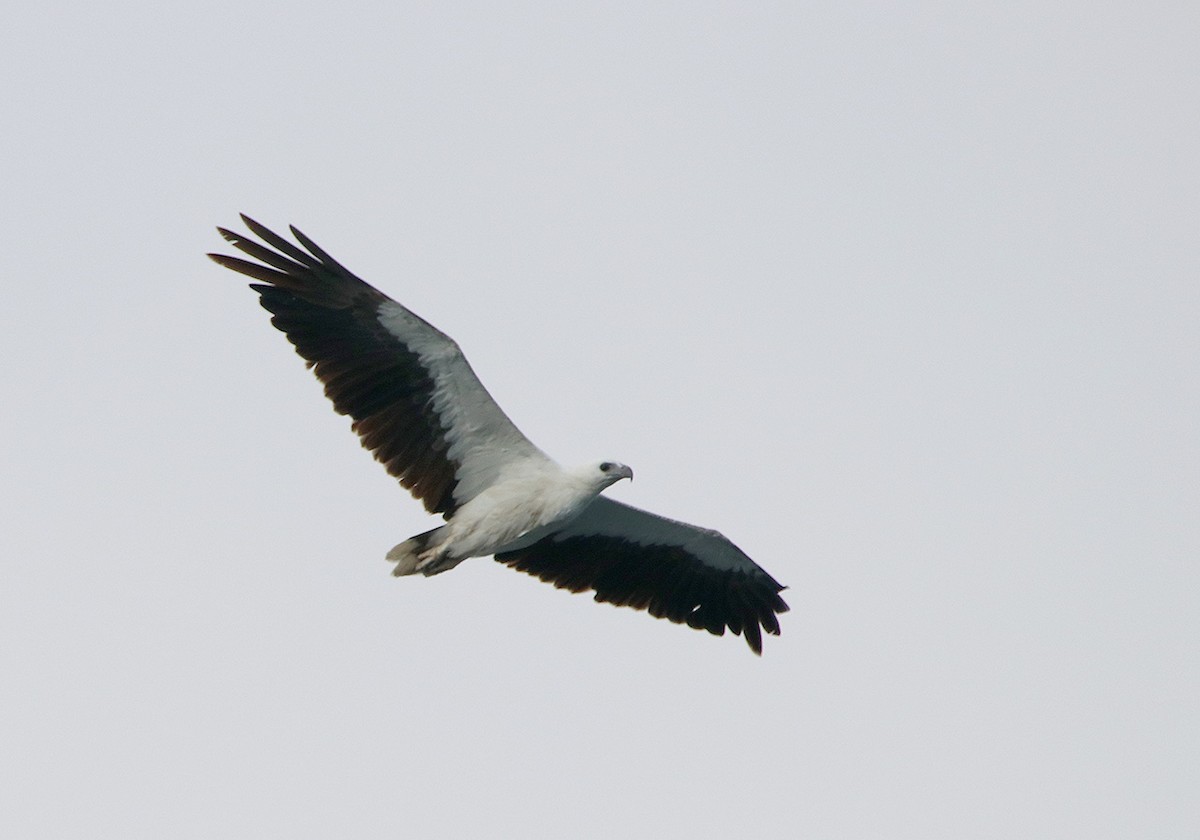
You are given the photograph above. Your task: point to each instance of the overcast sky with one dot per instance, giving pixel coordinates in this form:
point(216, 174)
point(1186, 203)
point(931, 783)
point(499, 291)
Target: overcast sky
point(901, 297)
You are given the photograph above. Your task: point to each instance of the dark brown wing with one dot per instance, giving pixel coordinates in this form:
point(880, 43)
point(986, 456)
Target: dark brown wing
point(415, 402)
point(673, 570)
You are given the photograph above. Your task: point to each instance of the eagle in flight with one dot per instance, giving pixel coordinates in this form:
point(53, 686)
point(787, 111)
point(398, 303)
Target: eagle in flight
point(420, 409)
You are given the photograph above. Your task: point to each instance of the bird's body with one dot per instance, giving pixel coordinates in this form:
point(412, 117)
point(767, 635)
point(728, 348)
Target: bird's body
point(419, 407)
point(535, 498)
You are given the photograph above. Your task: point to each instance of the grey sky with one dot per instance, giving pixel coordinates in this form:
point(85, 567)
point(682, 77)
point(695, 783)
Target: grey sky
point(902, 298)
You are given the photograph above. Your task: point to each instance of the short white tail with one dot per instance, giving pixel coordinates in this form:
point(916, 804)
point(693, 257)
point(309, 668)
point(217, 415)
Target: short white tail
point(420, 554)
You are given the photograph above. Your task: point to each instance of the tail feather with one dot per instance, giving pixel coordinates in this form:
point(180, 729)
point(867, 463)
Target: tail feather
point(407, 555)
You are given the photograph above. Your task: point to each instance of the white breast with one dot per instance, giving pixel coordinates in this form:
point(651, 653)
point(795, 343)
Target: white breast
point(523, 506)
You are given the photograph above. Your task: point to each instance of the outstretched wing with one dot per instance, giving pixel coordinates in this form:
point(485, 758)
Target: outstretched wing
point(415, 402)
point(673, 570)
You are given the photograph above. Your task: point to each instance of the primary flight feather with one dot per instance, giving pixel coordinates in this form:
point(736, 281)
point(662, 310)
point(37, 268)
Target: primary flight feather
point(417, 405)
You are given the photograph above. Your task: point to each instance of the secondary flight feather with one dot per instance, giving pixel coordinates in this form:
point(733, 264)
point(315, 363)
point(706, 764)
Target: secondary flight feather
point(417, 405)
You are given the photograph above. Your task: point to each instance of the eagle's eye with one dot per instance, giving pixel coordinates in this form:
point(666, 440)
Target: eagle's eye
point(605, 467)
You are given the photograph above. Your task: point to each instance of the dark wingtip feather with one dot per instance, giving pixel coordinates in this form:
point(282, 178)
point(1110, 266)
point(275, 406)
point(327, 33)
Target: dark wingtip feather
point(258, 272)
point(753, 638)
point(316, 250)
point(278, 242)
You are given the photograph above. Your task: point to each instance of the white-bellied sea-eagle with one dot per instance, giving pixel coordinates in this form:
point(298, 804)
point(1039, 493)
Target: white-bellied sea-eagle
point(417, 405)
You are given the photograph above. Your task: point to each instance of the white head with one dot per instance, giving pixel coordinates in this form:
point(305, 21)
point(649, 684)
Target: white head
point(605, 473)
